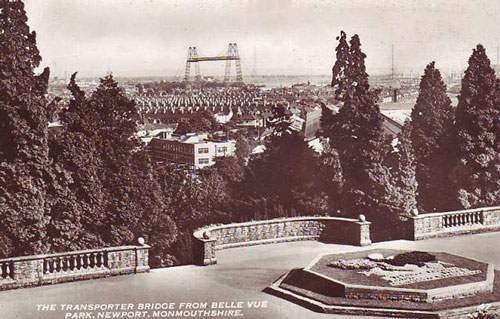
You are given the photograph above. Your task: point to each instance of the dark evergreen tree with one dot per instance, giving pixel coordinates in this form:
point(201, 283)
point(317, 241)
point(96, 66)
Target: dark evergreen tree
point(478, 134)
point(356, 133)
point(24, 162)
point(402, 199)
point(116, 193)
point(330, 176)
point(78, 203)
point(286, 172)
point(131, 191)
point(375, 182)
point(340, 79)
point(431, 134)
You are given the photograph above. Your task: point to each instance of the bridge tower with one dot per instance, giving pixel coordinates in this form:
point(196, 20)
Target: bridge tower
point(192, 55)
point(231, 55)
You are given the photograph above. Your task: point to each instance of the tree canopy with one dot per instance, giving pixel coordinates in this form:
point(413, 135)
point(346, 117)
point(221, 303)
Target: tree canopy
point(478, 134)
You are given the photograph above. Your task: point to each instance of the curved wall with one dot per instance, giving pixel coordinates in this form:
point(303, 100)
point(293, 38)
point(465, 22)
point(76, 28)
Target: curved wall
point(326, 229)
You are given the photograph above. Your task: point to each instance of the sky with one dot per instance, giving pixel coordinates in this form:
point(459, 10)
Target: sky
point(151, 37)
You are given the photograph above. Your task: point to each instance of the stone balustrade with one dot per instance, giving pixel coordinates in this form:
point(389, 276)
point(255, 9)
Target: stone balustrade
point(469, 221)
point(327, 229)
point(38, 270)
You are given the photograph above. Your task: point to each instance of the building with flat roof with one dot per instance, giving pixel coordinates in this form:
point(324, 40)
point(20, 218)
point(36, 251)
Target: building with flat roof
point(194, 151)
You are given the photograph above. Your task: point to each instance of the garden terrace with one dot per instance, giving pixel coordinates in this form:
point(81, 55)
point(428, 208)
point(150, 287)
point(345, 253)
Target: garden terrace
point(39, 270)
point(324, 287)
point(454, 223)
point(326, 229)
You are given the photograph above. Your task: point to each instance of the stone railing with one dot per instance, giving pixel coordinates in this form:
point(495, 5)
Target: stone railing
point(453, 223)
point(327, 229)
point(38, 270)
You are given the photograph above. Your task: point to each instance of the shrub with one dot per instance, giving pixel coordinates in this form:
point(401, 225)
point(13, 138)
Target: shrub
point(413, 257)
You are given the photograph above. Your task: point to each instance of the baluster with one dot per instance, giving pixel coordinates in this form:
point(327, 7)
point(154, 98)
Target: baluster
point(82, 262)
point(68, 263)
point(8, 273)
point(101, 259)
point(461, 219)
point(2, 276)
point(445, 221)
point(54, 265)
point(61, 265)
point(87, 261)
point(94, 255)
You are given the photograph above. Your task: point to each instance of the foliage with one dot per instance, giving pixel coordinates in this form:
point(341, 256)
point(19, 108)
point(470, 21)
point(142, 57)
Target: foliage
point(412, 257)
point(25, 172)
point(478, 134)
point(203, 121)
point(286, 173)
point(402, 199)
point(432, 137)
point(376, 182)
point(340, 77)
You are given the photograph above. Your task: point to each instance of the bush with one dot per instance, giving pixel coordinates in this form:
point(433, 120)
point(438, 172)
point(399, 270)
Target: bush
point(413, 257)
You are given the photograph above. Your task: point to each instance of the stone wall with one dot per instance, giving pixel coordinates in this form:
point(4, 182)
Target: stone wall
point(39, 270)
point(326, 229)
point(453, 223)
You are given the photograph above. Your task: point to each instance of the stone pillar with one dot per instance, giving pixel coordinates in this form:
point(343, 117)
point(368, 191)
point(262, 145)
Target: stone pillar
point(142, 258)
point(121, 260)
point(27, 272)
point(204, 251)
point(364, 233)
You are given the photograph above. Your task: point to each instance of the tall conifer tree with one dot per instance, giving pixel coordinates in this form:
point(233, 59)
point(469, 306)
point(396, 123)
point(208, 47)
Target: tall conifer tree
point(431, 134)
point(478, 134)
point(357, 135)
point(24, 162)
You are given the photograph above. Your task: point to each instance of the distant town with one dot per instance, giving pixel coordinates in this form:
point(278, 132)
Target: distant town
point(243, 106)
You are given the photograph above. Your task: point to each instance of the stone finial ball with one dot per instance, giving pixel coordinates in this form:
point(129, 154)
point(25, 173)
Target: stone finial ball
point(207, 234)
point(141, 241)
point(362, 217)
point(414, 212)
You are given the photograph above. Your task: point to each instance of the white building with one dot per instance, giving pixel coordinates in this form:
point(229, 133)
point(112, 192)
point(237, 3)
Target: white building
point(193, 151)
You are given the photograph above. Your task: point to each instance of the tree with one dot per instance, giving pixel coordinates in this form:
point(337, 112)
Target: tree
point(340, 79)
point(286, 173)
point(478, 134)
point(24, 163)
point(330, 176)
point(126, 173)
point(402, 199)
point(203, 121)
point(356, 133)
point(375, 180)
point(432, 137)
point(78, 201)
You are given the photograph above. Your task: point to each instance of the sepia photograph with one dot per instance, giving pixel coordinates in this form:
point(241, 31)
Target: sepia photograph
point(264, 159)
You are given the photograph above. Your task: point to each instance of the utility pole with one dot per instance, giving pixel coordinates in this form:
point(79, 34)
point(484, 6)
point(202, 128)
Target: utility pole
point(392, 63)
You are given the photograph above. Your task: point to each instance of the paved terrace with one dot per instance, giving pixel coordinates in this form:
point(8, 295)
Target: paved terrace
point(240, 275)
